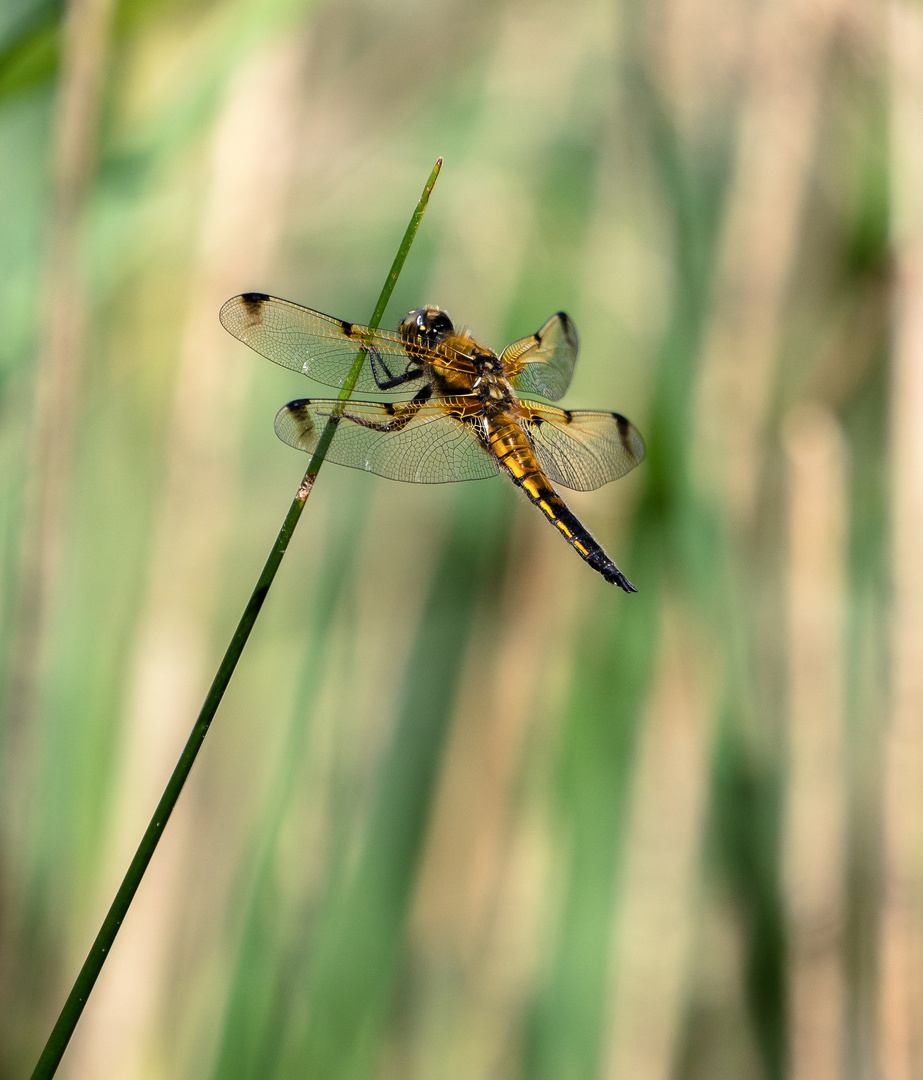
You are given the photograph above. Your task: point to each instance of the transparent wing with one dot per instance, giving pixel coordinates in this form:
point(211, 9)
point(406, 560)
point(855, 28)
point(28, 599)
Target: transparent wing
point(322, 347)
point(419, 444)
point(581, 449)
point(543, 363)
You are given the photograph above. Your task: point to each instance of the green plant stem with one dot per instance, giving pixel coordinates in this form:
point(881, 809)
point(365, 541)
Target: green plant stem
point(70, 1014)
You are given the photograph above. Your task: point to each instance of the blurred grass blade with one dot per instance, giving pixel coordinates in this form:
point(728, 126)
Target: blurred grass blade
point(355, 954)
point(70, 1014)
point(258, 998)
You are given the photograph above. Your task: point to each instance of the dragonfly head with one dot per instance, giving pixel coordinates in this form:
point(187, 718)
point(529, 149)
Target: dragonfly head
point(427, 326)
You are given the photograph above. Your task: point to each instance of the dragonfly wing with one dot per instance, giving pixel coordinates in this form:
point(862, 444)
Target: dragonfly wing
point(418, 443)
point(543, 363)
point(322, 347)
point(582, 449)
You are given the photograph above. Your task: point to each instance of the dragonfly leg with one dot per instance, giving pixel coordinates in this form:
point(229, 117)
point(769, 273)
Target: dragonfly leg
point(385, 379)
point(401, 413)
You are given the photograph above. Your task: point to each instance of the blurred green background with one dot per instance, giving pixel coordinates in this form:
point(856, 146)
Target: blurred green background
point(467, 811)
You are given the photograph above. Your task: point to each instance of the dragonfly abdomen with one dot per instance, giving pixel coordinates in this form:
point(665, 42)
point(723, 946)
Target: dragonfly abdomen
point(515, 455)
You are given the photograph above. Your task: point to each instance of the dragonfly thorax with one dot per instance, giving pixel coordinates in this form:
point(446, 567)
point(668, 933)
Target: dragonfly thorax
point(492, 387)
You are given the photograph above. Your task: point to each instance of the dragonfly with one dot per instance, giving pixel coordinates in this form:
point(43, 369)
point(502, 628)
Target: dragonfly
point(459, 413)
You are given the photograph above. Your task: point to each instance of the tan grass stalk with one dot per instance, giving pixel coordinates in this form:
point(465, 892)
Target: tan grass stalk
point(250, 169)
point(900, 1005)
point(483, 890)
point(814, 843)
point(777, 130)
point(653, 935)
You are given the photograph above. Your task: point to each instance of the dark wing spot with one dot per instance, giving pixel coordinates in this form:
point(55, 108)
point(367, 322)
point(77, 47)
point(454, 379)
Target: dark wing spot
point(302, 426)
point(537, 420)
point(299, 408)
point(253, 300)
point(537, 338)
point(347, 327)
point(568, 414)
point(631, 440)
point(389, 408)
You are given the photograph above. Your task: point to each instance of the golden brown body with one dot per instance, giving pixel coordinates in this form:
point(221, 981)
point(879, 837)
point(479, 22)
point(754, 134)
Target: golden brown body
point(464, 420)
point(477, 373)
point(516, 457)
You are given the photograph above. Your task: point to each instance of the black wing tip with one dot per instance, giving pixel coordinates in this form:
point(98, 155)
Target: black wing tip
point(630, 437)
point(623, 426)
point(230, 317)
point(563, 318)
point(254, 299)
point(570, 330)
point(295, 425)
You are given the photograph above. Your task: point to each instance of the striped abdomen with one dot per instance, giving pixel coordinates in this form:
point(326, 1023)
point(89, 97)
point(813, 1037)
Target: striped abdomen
point(516, 457)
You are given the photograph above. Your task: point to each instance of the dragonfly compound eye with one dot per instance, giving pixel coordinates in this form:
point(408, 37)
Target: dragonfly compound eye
point(427, 326)
point(440, 323)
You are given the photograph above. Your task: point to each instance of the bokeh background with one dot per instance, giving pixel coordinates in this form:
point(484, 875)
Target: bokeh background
point(467, 811)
